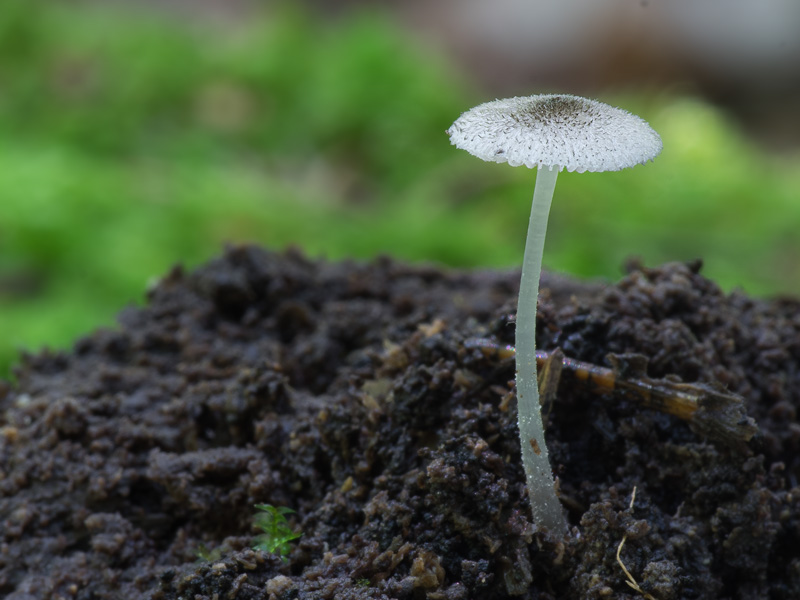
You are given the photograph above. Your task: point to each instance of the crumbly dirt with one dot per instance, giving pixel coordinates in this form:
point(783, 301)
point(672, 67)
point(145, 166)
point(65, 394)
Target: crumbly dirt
point(130, 466)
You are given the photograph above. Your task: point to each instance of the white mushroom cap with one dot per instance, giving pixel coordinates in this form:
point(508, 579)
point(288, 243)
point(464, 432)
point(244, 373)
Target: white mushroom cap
point(558, 131)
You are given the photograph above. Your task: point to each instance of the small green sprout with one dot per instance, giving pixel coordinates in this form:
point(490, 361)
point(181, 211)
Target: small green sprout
point(277, 532)
point(204, 554)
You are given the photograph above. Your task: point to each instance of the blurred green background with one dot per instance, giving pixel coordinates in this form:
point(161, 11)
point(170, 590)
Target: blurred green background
point(132, 140)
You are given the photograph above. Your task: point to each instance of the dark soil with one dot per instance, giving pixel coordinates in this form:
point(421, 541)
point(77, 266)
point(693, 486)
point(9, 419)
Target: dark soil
point(130, 466)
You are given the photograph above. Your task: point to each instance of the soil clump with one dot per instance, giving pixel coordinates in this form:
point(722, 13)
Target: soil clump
point(355, 394)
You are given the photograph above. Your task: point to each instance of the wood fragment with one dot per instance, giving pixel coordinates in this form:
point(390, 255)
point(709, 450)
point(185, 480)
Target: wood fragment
point(710, 412)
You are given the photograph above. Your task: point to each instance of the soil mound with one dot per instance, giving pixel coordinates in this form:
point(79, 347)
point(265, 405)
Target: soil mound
point(376, 400)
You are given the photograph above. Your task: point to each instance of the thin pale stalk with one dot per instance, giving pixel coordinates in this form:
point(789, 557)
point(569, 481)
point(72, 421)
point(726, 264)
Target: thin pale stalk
point(535, 460)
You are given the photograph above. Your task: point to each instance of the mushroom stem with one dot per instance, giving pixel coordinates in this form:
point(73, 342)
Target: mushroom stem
point(541, 486)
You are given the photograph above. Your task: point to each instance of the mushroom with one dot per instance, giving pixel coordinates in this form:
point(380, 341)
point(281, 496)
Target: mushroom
point(551, 132)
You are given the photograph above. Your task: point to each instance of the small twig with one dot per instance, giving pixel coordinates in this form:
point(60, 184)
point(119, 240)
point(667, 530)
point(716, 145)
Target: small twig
point(718, 415)
point(631, 581)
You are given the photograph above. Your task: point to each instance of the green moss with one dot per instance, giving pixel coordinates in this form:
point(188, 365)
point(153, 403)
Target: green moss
point(277, 532)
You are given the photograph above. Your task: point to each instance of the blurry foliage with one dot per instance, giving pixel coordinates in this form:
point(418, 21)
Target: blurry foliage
point(131, 141)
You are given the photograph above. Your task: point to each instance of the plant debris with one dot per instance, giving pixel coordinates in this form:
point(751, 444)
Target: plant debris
point(709, 411)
